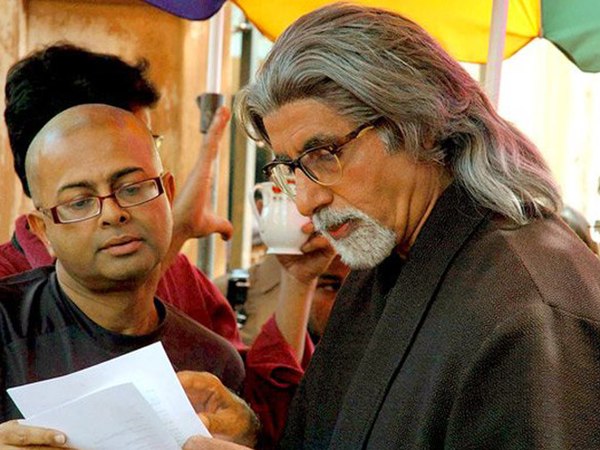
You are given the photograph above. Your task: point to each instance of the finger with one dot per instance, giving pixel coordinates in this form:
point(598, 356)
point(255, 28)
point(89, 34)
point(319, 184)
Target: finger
point(226, 230)
point(193, 381)
point(13, 433)
point(317, 242)
point(308, 228)
point(221, 119)
point(203, 389)
point(202, 443)
point(217, 224)
point(205, 420)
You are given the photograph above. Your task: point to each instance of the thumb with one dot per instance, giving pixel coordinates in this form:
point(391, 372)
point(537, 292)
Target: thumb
point(205, 420)
point(217, 224)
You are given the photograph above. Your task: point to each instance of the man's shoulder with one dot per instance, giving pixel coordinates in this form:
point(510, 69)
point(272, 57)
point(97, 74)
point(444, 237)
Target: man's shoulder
point(22, 299)
point(19, 293)
point(544, 261)
point(539, 244)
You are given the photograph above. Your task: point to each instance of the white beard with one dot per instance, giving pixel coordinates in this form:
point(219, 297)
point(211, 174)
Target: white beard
point(366, 246)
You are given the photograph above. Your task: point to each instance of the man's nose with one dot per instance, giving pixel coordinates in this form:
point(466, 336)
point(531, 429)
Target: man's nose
point(310, 196)
point(112, 213)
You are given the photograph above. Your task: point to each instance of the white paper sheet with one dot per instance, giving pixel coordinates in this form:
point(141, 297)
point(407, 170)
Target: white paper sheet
point(148, 369)
point(116, 417)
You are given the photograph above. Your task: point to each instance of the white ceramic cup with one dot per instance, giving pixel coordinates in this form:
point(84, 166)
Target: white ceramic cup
point(279, 221)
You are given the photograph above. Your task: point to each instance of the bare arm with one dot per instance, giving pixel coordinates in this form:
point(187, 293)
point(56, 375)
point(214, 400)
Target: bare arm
point(298, 283)
point(192, 217)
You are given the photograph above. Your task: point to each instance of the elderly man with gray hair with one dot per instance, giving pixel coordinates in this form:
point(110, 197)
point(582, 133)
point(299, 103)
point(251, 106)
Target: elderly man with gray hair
point(472, 316)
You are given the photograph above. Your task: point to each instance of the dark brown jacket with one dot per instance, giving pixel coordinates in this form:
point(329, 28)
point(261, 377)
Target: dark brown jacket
point(486, 337)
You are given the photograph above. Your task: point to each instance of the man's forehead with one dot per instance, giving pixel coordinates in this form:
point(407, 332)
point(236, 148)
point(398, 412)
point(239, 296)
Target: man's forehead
point(91, 149)
point(302, 125)
point(92, 117)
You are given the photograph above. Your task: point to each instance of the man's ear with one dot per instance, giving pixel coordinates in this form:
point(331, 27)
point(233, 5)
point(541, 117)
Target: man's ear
point(169, 185)
point(37, 225)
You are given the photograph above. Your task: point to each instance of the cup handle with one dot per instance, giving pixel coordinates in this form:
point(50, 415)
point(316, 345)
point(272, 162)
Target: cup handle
point(253, 201)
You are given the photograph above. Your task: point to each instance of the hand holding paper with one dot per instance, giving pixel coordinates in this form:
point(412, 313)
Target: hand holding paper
point(15, 435)
point(112, 404)
point(225, 414)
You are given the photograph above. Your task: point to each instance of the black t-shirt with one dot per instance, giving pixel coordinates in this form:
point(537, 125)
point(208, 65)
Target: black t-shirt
point(43, 335)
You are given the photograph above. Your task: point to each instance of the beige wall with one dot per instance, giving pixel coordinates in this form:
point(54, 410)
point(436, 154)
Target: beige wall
point(176, 50)
point(558, 107)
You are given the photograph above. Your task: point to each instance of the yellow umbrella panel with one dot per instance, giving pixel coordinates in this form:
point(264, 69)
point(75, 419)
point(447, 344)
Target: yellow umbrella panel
point(461, 26)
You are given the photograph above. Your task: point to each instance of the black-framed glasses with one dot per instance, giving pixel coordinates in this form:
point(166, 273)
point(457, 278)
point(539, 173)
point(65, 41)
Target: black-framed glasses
point(320, 164)
point(88, 207)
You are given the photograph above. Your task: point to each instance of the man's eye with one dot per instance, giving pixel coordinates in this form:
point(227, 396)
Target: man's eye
point(129, 191)
point(330, 286)
point(321, 155)
point(81, 204)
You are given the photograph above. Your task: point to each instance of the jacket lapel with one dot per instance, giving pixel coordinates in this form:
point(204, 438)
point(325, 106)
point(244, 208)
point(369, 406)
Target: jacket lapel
point(450, 224)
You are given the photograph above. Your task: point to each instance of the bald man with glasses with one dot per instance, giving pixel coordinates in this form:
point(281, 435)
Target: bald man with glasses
point(106, 215)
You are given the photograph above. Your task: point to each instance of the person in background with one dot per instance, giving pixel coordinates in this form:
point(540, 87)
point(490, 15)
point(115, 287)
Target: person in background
point(60, 76)
point(471, 316)
point(328, 285)
point(106, 214)
point(263, 294)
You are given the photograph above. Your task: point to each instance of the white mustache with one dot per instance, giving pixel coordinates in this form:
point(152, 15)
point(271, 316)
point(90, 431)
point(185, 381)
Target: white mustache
point(328, 218)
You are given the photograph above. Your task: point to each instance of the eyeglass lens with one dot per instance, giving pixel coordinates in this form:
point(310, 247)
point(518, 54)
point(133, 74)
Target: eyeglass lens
point(284, 179)
point(126, 196)
point(320, 165)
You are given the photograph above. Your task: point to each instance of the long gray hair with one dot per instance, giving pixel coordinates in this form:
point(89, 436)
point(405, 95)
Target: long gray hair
point(368, 64)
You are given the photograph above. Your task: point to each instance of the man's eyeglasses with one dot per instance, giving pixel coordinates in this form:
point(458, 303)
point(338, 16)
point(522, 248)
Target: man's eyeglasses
point(85, 208)
point(320, 164)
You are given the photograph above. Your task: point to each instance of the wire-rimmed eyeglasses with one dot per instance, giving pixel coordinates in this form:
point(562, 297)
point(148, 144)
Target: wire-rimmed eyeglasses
point(320, 164)
point(88, 207)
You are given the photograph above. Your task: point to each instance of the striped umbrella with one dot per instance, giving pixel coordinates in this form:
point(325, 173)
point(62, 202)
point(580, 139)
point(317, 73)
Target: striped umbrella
point(463, 26)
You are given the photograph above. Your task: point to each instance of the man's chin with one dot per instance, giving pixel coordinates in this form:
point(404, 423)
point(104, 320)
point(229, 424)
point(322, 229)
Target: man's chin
point(358, 264)
point(128, 276)
point(354, 258)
